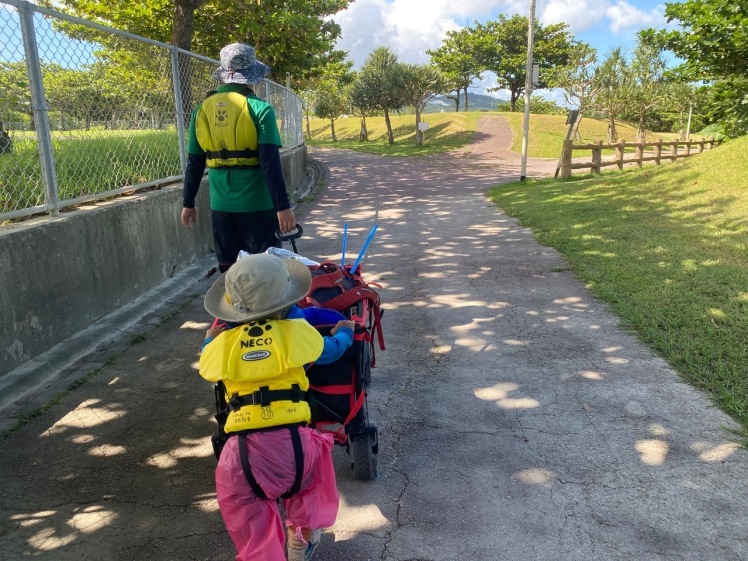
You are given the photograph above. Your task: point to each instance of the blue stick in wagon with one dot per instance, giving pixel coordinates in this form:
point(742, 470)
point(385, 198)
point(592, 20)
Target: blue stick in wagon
point(363, 249)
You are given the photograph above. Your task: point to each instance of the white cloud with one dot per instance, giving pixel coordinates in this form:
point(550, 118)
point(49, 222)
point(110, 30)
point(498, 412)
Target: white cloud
point(580, 15)
point(410, 27)
point(626, 16)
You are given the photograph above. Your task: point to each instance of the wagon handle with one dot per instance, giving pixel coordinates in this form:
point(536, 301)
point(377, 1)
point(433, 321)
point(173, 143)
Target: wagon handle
point(290, 237)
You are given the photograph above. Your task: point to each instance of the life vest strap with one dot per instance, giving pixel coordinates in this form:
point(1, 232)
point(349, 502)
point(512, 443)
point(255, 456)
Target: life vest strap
point(237, 167)
point(298, 453)
point(244, 457)
point(224, 154)
point(264, 396)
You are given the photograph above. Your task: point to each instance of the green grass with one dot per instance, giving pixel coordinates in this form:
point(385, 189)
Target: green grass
point(447, 131)
point(547, 134)
point(89, 162)
point(667, 247)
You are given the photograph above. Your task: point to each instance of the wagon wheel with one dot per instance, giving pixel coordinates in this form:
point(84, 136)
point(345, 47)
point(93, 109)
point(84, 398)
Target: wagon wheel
point(363, 448)
point(366, 363)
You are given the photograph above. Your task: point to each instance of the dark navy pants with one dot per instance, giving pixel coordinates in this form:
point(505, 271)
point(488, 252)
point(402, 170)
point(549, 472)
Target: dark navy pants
point(253, 232)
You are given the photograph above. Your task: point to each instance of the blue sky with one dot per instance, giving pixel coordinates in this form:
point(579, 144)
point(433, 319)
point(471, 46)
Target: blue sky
point(53, 46)
point(410, 27)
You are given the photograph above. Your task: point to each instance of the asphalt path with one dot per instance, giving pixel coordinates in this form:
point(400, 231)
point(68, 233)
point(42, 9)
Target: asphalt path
point(518, 420)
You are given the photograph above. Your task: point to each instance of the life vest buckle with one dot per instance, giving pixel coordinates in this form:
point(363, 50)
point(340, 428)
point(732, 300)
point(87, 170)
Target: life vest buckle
point(264, 395)
point(234, 403)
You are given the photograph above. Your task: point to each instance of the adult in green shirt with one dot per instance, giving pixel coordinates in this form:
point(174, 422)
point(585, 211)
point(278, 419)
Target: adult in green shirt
point(236, 135)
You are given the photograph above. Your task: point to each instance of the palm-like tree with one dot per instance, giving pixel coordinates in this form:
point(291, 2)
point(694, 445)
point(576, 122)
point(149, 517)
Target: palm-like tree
point(381, 76)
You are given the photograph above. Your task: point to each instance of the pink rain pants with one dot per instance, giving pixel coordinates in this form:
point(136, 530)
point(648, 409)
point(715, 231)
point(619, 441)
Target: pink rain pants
point(255, 524)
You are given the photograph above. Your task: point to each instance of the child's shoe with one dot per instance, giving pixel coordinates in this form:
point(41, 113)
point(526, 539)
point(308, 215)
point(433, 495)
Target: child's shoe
point(314, 538)
point(299, 550)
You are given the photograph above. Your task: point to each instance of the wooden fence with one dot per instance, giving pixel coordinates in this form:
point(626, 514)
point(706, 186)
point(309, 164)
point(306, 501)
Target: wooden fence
point(677, 149)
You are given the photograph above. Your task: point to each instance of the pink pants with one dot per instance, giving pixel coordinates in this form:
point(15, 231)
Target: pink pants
point(255, 524)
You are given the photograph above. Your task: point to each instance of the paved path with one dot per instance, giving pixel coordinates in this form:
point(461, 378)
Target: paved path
point(517, 420)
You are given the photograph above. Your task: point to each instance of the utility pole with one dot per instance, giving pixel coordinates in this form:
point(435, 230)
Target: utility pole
point(690, 112)
point(528, 89)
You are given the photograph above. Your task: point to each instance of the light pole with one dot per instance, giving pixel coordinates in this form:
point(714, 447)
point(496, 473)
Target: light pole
point(528, 88)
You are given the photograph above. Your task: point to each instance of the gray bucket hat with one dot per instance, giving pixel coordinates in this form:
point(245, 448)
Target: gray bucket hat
point(239, 65)
point(257, 286)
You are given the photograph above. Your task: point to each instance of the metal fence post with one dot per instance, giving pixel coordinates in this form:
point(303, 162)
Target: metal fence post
point(287, 117)
point(39, 107)
point(178, 108)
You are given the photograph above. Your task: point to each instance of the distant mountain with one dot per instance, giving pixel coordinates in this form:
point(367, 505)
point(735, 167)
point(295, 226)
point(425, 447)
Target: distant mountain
point(476, 102)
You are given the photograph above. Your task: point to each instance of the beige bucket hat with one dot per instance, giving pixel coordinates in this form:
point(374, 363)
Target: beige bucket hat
point(257, 286)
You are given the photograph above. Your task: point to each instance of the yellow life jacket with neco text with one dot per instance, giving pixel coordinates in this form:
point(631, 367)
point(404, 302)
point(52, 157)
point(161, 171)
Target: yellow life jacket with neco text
point(226, 131)
point(261, 364)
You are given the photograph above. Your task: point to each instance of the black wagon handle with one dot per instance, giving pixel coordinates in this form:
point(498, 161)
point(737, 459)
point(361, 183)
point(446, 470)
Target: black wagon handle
point(291, 236)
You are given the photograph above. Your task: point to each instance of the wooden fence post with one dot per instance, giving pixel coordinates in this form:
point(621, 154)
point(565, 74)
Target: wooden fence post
point(620, 150)
point(597, 156)
point(566, 159)
point(639, 153)
point(688, 148)
point(658, 151)
point(701, 146)
point(673, 150)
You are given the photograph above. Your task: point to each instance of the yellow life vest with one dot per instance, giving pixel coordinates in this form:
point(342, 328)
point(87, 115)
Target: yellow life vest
point(261, 364)
point(226, 131)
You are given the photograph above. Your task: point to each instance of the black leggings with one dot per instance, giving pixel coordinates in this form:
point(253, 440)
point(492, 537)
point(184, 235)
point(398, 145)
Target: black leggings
point(253, 232)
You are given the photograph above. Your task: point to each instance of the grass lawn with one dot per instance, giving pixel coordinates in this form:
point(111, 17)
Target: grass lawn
point(667, 247)
point(547, 133)
point(447, 131)
point(86, 162)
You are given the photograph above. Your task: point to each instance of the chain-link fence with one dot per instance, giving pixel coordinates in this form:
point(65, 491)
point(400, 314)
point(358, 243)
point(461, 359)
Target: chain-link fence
point(88, 112)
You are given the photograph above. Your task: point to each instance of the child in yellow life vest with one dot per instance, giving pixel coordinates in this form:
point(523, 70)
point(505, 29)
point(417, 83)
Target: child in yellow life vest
point(271, 454)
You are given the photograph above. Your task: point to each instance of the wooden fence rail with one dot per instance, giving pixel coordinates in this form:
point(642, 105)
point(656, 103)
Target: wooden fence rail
point(678, 149)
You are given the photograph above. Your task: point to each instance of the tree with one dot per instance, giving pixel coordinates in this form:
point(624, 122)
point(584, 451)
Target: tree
point(15, 96)
point(336, 72)
point(331, 98)
point(420, 84)
point(679, 99)
point(538, 106)
point(331, 103)
point(578, 80)
point(501, 47)
point(614, 78)
point(308, 99)
point(456, 60)
point(713, 46)
point(291, 36)
point(363, 104)
point(711, 40)
point(647, 68)
point(381, 74)
point(726, 103)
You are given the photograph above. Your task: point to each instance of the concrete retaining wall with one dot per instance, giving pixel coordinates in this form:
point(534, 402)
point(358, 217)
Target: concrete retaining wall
point(59, 275)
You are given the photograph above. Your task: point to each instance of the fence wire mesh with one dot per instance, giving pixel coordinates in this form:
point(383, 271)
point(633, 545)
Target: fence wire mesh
point(21, 185)
point(116, 106)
